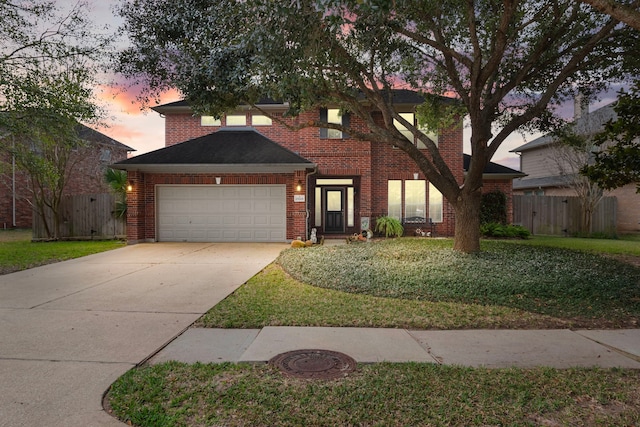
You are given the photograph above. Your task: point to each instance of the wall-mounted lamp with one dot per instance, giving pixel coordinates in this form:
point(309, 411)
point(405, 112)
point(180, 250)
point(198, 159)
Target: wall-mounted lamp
point(416, 176)
point(218, 180)
point(129, 188)
point(299, 186)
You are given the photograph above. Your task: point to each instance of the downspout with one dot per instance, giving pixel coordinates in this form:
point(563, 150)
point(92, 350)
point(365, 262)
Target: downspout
point(308, 211)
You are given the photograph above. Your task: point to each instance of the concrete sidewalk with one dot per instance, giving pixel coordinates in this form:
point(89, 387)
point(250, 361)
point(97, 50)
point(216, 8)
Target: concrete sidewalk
point(489, 348)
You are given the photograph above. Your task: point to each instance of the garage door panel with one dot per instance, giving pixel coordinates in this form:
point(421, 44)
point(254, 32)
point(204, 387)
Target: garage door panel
point(221, 213)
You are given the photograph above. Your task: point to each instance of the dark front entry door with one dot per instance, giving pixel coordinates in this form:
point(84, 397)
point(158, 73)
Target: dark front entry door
point(334, 210)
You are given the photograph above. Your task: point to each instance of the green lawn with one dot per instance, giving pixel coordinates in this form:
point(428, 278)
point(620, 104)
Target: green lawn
point(624, 245)
point(424, 284)
point(17, 252)
point(409, 394)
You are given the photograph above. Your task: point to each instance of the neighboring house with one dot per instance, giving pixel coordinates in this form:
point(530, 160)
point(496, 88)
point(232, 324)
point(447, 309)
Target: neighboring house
point(246, 178)
point(544, 176)
point(87, 177)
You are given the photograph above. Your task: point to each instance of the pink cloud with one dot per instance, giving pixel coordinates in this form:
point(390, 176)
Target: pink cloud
point(126, 99)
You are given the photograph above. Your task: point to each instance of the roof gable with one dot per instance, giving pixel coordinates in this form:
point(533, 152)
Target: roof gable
point(494, 170)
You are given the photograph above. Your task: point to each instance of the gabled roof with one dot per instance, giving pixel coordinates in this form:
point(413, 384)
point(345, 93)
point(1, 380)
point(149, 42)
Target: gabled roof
point(85, 133)
point(183, 106)
point(544, 182)
point(399, 97)
point(588, 124)
point(494, 170)
point(228, 150)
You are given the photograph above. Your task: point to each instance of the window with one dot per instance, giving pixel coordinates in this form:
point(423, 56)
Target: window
point(350, 207)
point(260, 120)
point(105, 155)
point(236, 120)
point(410, 197)
point(403, 130)
point(435, 204)
point(410, 117)
point(415, 196)
point(209, 121)
point(333, 115)
point(394, 199)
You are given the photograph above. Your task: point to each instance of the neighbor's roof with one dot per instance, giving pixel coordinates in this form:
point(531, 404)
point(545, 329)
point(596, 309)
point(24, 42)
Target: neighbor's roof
point(588, 124)
point(544, 182)
point(91, 135)
point(494, 170)
point(227, 150)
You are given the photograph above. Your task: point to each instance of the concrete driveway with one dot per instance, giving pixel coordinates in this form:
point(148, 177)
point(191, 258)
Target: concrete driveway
point(68, 330)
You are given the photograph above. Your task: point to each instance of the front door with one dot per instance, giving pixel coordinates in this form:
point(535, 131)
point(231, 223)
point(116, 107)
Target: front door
point(334, 210)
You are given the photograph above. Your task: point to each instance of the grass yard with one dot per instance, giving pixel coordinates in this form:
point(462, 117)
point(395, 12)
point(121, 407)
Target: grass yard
point(424, 284)
point(17, 252)
point(409, 394)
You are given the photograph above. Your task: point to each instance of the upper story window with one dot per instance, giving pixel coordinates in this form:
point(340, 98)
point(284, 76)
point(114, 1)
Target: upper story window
point(236, 120)
point(260, 120)
point(209, 121)
point(333, 115)
point(411, 118)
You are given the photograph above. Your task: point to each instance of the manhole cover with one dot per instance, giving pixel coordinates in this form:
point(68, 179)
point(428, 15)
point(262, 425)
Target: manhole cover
point(315, 364)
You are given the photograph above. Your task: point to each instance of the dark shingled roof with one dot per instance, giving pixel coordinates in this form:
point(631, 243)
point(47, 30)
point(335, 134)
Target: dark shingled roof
point(244, 149)
point(494, 169)
point(399, 97)
point(91, 135)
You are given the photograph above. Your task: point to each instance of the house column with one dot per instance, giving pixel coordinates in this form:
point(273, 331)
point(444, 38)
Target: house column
point(135, 207)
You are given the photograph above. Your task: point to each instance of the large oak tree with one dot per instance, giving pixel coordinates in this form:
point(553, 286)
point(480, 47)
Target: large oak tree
point(506, 61)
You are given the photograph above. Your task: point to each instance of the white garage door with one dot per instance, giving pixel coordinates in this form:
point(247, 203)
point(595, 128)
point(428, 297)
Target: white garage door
point(221, 213)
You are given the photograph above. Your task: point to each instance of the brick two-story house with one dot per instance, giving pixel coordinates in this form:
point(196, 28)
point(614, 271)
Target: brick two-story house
point(246, 177)
point(85, 177)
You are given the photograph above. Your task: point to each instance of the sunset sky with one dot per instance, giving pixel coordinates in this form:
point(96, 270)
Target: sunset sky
point(144, 130)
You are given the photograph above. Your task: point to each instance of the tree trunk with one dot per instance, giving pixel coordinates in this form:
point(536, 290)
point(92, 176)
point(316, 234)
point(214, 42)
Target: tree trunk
point(467, 229)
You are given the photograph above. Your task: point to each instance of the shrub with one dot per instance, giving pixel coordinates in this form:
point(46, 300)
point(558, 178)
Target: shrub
point(494, 229)
point(389, 226)
point(493, 208)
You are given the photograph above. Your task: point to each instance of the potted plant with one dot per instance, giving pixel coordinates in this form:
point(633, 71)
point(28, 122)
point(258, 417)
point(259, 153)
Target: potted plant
point(389, 226)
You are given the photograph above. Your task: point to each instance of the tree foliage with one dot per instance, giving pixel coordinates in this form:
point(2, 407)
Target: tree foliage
point(624, 11)
point(618, 163)
point(49, 60)
point(506, 62)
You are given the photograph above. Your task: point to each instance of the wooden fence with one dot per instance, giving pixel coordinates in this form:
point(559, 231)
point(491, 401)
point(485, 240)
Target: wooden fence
point(84, 217)
point(561, 215)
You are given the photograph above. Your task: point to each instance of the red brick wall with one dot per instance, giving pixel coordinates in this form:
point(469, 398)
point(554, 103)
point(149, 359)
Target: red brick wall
point(370, 164)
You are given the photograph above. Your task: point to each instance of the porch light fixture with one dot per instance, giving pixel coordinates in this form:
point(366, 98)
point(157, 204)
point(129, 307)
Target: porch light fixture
point(416, 176)
point(299, 186)
point(129, 188)
point(218, 180)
